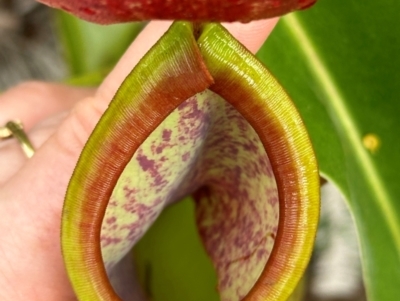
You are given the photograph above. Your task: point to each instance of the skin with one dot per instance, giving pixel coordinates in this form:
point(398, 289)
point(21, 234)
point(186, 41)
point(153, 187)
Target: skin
point(58, 120)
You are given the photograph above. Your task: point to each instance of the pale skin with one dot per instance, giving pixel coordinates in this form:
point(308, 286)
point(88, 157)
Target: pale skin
point(58, 120)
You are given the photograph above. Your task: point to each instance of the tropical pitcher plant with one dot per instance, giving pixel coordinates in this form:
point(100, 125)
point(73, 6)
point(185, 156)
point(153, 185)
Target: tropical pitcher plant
point(201, 116)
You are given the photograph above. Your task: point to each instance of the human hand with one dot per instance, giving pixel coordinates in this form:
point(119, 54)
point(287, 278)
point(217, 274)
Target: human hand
point(58, 120)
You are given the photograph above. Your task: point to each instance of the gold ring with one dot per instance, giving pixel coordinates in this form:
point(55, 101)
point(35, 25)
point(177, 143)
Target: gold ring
point(15, 129)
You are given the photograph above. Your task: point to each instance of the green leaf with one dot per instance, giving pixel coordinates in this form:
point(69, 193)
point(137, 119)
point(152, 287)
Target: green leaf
point(339, 61)
point(171, 260)
point(90, 47)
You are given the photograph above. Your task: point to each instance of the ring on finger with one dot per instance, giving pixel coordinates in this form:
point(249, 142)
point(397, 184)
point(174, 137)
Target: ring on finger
point(14, 128)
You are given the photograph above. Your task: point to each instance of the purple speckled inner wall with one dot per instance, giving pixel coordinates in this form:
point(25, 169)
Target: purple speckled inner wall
point(207, 148)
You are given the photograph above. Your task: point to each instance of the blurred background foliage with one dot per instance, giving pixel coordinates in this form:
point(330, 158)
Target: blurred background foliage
point(339, 61)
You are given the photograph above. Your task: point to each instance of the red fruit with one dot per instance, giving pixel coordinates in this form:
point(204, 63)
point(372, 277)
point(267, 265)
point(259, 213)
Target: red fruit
point(117, 11)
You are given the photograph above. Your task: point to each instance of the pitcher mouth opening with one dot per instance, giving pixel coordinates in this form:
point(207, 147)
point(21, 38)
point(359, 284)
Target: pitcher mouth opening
point(223, 164)
point(220, 63)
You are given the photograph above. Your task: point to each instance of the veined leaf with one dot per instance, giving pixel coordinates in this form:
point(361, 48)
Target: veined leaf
point(339, 61)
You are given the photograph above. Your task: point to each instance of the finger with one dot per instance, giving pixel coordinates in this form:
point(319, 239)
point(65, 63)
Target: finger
point(12, 157)
point(43, 179)
point(144, 41)
point(31, 102)
point(63, 149)
point(252, 35)
point(55, 160)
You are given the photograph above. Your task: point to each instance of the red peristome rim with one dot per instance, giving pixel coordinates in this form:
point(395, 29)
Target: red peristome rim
point(273, 116)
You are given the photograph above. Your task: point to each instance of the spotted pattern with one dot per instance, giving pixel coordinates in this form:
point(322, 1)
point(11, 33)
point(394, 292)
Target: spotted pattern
point(205, 148)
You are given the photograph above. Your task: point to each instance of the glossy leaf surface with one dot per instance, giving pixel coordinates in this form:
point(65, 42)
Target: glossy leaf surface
point(340, 62)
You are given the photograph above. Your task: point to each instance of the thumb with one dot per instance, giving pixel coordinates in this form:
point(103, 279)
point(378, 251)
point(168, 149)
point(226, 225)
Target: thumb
point(46, 175)
point(34, 195)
